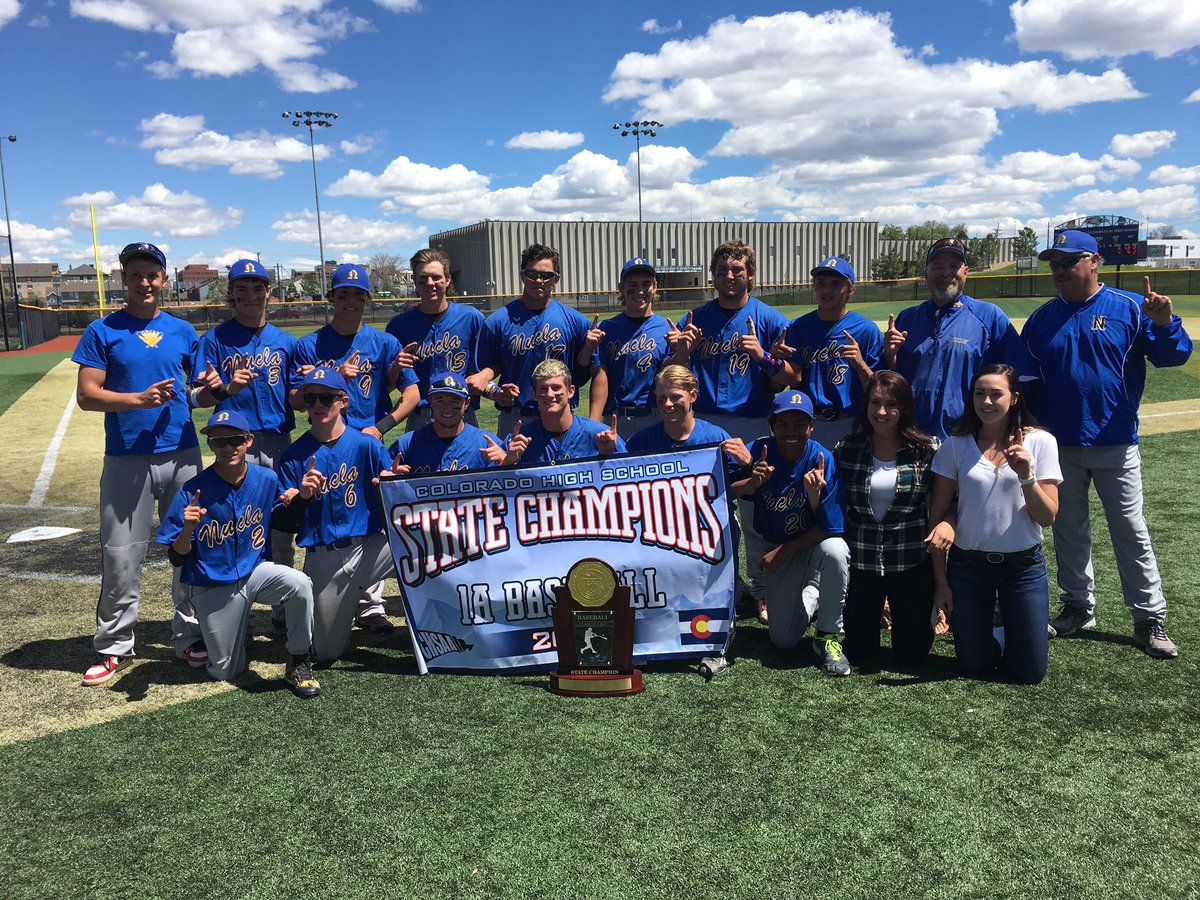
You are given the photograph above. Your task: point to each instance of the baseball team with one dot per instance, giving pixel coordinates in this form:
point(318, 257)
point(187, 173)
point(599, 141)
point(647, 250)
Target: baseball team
point(909, 470)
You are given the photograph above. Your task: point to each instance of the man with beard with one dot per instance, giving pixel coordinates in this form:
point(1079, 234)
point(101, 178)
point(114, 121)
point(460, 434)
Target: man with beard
point(940, 344)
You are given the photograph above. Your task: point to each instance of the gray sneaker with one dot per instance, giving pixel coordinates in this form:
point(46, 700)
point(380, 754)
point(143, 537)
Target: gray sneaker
point(1071, 619)
point(1151, 636)
point(829, 649)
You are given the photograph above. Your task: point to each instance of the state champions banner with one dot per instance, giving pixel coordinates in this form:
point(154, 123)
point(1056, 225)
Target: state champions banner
point(479, 552)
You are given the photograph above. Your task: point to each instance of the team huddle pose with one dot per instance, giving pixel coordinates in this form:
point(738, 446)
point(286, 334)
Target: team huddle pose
point(914, 466)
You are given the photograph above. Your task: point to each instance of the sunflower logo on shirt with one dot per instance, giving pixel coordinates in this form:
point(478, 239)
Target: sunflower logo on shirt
point(150, 338)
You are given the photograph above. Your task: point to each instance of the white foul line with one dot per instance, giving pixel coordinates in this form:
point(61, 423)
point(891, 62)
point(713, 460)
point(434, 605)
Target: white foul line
point(1178, 412)
point(41, 484)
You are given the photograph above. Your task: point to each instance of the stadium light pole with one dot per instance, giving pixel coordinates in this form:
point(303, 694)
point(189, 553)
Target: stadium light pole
point(315, 120)
point(12, 263)
point(637, 129)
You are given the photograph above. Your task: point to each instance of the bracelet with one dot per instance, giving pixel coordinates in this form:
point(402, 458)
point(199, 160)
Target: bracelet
point(221, 393)
point(1026, 482)
point(386, 424)
point(770, 364)
point(491, 389)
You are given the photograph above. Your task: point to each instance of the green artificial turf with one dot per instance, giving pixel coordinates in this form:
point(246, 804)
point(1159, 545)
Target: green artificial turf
point(20, 372)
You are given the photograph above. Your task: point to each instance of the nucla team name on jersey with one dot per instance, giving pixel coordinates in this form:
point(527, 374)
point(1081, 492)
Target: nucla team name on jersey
point(546, 336)
point(672, 513)
point(266, 359)
point(831, 353)
point(739, 361)
point(347, 477)
point(364, 371)
point(213, 533)
point(643, 343)
point(449, 348)
point(794, 503)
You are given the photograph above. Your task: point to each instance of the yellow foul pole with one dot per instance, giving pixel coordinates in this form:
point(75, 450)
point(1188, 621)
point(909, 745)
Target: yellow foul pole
point(96, 251)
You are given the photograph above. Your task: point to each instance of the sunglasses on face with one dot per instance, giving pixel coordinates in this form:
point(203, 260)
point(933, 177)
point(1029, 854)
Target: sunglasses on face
point(1067, 262)
point(235, 440)
point(312, 399)
point(538, 275)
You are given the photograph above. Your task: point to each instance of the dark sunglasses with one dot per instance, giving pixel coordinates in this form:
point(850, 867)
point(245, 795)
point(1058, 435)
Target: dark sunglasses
point(323, 399)
point(538, 275)
point(234, 440)
point(1067, 262)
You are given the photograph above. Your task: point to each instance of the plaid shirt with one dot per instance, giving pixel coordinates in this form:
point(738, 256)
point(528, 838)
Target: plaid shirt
point(898, 542)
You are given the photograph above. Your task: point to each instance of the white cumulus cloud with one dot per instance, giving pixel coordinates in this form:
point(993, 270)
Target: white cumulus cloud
point(653, 26)
point(545, 140)
point(1100, 29)
point(157, 210)
point(9, 10)
point(1144, 143)
point(1165, 203)
point(184, 141)
point(1176, 175)
point(343, 233)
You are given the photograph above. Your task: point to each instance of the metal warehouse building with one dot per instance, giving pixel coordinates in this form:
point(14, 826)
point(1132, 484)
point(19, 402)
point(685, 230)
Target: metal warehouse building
point(486, 256)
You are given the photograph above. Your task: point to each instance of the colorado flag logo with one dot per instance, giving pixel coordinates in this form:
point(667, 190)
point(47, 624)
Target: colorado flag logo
point(703, 627)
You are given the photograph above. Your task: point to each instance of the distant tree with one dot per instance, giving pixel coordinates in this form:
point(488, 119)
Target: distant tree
point(1163, 232)
point(309, 287)
point(218, 291)
point(1026, 243)
point(887, 266)
point(891, 233)
point(384, 271)
point(982, 252)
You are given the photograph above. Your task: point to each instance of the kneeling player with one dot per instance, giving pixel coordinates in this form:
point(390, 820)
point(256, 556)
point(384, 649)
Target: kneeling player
point(335, 509)
point(217, 532)
point(794, 486)
point(448, 442)
point(559, 434)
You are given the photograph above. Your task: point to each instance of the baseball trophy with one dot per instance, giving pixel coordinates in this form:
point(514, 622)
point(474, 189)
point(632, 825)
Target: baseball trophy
point(593, 627)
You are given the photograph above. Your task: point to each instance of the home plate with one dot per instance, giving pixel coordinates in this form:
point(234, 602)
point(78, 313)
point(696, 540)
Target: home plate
point(40, 533)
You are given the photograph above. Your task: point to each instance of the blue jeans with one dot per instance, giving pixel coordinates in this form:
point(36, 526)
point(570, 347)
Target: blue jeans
point(1023, 590)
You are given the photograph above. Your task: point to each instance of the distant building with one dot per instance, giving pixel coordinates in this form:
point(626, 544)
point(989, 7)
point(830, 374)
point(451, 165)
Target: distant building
point(79, 288)
point(35, 281)
point(1163, 253)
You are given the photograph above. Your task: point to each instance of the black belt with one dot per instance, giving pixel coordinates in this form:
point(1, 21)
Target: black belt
point(635, 412)
point(991, 556)
point(342, 543)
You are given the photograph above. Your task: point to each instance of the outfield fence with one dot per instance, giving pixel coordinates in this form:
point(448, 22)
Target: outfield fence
point(44, 324)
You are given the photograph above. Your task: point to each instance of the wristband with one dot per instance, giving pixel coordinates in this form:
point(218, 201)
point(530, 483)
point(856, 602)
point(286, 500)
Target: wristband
point(220, 393)
point(770, 364)
point(1026, 482)
point(386, 424)
point(491, 389)
point(193, 397)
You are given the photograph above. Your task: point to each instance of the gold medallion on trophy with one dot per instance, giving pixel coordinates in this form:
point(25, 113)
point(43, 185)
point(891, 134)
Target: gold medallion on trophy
point(591, 582)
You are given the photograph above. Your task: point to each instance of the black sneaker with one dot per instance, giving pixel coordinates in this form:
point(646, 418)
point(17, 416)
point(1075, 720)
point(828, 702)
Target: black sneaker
point(1071, 619)
point(299, 676)
point(712, 666)
point(1151, 636)
point(376, 623)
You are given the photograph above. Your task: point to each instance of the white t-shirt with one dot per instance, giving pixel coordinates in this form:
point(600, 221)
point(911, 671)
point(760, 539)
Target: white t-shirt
point(883, 487)
point(991, 504)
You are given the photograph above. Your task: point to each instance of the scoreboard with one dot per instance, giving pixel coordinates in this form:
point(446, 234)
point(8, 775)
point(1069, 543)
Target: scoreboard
point(1118, 243)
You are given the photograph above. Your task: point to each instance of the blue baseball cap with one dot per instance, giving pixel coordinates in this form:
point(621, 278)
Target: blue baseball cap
point(836, 266)
point(141, 248)
point(1071, 242)
point(324, 376)
point(954, 245)
point(227, 418)
point(449, 383)
point(792, 401)
point(248, 268)
point(350, 275)
point(637, 264)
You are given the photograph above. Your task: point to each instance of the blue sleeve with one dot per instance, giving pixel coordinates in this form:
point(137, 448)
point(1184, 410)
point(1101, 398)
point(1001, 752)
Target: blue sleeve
point(91, 351)
point(831, 515)
point(487, 352)
point(1166, 346)
point(1006, 346)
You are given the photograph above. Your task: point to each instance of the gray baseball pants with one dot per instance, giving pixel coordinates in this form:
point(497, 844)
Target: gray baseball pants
point(339, 574)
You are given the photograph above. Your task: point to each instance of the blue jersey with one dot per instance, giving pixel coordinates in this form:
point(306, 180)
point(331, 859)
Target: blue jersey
point(134, 354)
point(655, 438)
point(579, 442)
point(729, 382)
point(631, 353)
point(370, 399)
point(268, 353)
point(425, 451)
point(1091, 357)
point(234, 535)
point(448, 341)
point(830, 382)
point(781, 510)
point(946, 347)
point(515, 339)
point(349, 506)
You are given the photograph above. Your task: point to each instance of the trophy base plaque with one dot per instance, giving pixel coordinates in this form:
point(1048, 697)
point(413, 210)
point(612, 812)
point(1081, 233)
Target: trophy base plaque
point(579, 684)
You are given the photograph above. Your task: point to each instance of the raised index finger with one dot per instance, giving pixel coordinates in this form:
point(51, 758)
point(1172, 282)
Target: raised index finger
point(891, 321)
point(195, 499)
point(353, 358)
point(312, 462)
point(596, 321)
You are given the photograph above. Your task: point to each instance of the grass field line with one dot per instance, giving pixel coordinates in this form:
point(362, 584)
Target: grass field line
point(42, 483)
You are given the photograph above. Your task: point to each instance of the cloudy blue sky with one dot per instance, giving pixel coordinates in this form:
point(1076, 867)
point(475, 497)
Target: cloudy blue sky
point(166, 116)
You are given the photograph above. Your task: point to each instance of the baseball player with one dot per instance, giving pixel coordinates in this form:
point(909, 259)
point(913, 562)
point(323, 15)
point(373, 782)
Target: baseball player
point(557, 433)
point(449, 442)
point(133, 367)
point(369, 361)
point(216, 534)
point(724, 341)
point(335, 509)
point(794, 486)
point(1090, 345)
point(939, 345)
point(437, 336)
point(526, 331)
point(832, 352)
point(252, 359)
point(632, 347)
